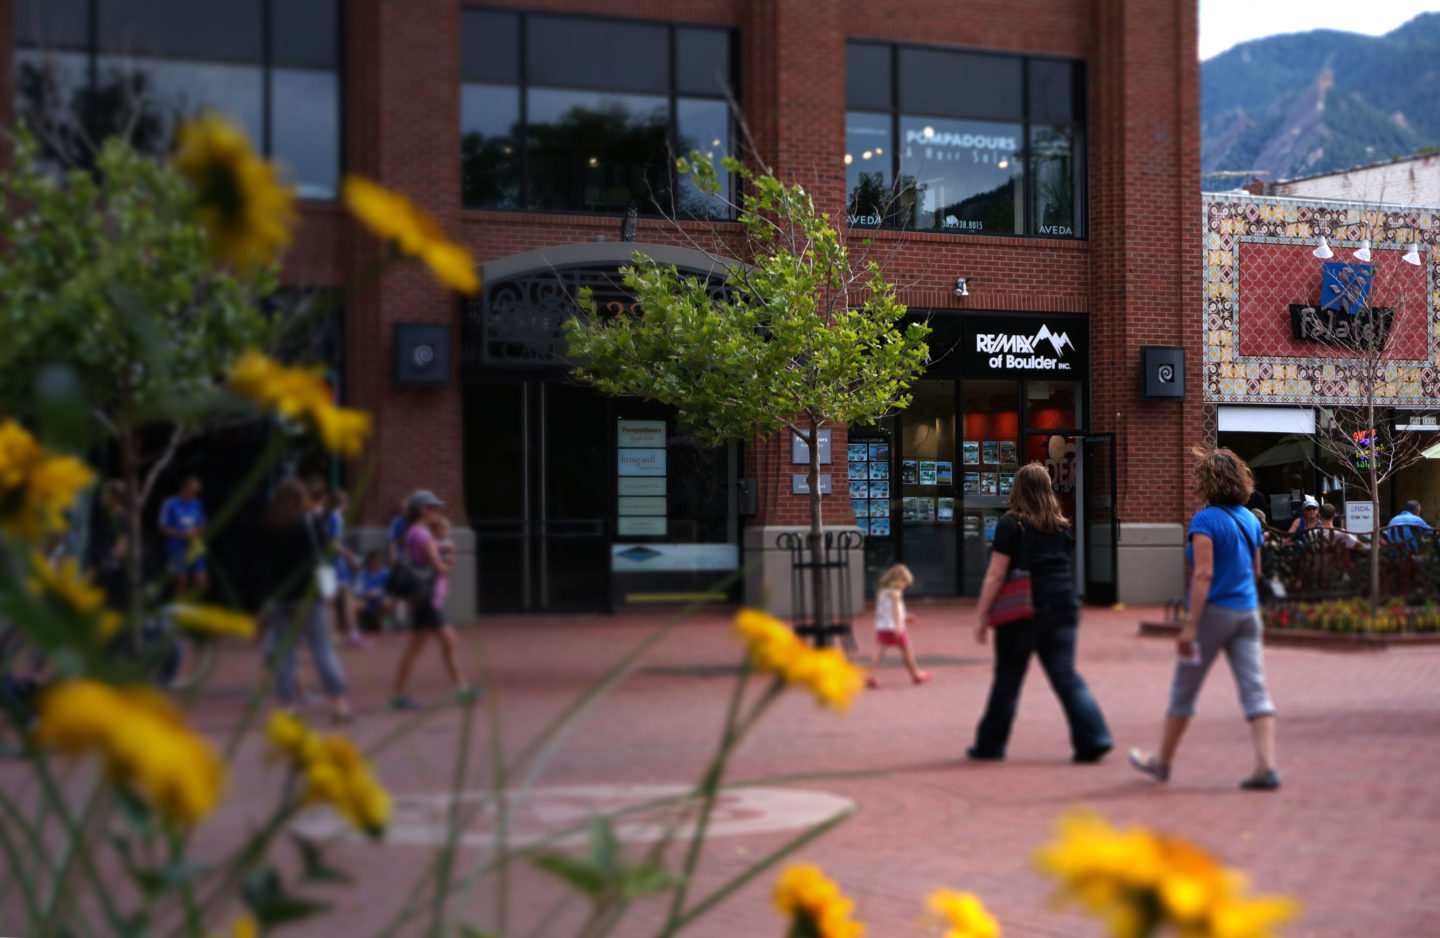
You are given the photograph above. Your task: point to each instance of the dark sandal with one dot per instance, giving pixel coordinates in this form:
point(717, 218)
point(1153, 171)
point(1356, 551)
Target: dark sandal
point(1268, 780)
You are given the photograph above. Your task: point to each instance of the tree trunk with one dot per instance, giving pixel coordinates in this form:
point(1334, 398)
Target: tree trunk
point(1373, 431)
point(130, 473)
point(817, 538)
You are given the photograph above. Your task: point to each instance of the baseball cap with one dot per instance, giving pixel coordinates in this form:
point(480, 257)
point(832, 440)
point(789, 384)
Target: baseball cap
point(1310, 501)
point(424, 498)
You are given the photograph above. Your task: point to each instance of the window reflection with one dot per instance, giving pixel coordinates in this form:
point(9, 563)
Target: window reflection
point(966, 174)
point(703, 125)
point(607, 106)
point(156, 62)
point(305, 129)
point(868, 155)
point(172, 90)
point(595, 151)
point(489, 145)
point(1054, 156)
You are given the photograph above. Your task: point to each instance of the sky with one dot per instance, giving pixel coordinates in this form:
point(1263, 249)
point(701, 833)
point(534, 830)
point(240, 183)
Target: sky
point(1225, 23)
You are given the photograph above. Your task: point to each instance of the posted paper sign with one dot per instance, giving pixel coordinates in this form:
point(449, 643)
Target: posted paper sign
point(640, 434)
point(1359, 517)
point(642, 462)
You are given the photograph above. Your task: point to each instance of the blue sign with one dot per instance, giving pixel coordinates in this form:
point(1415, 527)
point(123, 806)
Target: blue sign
point(1346, 286)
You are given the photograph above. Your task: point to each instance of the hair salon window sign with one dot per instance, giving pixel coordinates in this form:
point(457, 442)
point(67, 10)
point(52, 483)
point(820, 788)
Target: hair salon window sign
point(1025, 347)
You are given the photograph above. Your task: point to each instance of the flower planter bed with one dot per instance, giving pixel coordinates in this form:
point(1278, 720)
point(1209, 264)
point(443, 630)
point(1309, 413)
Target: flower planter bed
point(1338, 624)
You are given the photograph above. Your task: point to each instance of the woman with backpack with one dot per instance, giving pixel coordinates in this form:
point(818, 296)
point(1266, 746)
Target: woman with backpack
point(420, 568)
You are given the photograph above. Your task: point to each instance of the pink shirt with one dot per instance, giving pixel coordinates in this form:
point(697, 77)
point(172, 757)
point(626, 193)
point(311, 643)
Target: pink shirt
point(417, 539)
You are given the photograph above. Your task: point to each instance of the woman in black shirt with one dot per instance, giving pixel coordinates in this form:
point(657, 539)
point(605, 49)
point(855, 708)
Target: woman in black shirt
point(1034, 535)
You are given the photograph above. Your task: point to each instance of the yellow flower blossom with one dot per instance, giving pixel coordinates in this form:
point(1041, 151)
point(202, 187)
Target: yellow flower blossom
point(212, 621)
point(245, 209)
point(1138, 880)
point(775, 649)
point(300, 393)
point(965, 914)
point(814, 905)
point(393, 217)
point(334, 773)
point(145, 743)
point(36, 484)
point(74, 590)
point(243, 927)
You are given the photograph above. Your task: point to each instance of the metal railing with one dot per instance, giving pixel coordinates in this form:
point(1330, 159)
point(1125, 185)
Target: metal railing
point(1326, 563)
point(830, 555)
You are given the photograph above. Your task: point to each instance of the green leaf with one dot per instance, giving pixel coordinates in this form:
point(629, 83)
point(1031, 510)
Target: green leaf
point(62, 409)
point(470, 931)
point(166, 879)
point(314, 869)
point(604, 850)
point(581, 874)
point(647, 879)
point(267, 899)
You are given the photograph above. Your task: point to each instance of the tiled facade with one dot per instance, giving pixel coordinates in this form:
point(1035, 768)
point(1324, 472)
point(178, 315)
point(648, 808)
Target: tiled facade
point(1258, 261)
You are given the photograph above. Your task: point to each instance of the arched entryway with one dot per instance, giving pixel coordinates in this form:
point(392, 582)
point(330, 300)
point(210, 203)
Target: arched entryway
point(580, 501)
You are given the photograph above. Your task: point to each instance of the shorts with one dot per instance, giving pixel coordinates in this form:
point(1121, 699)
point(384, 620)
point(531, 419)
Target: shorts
point(179, 564)
point(426, 616)
point(892, 638)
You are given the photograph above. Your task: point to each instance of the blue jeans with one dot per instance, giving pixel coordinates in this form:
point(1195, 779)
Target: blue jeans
point(314, 633)
point(1055, 647)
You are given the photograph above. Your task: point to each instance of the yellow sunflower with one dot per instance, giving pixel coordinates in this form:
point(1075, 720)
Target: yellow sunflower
point(965, 914)
point(814, 905)
point(300, 393)
point(37, 485)
point(144, 742)
point(393, 217)
point(334, 772)
point(208, 621)
point(246, 211)
point(776, 649)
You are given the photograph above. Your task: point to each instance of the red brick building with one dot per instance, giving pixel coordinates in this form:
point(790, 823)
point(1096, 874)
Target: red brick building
point(1045, 151)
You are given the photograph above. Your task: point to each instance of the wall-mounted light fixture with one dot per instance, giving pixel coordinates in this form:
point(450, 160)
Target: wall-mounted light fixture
point(1364, 253)
point(961, 289)
point(1412, 256)
point(1322, 250)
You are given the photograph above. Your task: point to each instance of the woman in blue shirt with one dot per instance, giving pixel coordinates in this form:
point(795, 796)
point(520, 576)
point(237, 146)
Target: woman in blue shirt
point(1224, 558)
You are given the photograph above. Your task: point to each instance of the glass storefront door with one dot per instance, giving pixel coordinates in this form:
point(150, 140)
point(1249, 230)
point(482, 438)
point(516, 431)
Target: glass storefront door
point(537, 494)
point(1082, 475)
point(988, 460)
point(927, 488)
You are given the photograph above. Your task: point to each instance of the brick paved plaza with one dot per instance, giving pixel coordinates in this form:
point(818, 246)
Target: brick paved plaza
point(1352, 833)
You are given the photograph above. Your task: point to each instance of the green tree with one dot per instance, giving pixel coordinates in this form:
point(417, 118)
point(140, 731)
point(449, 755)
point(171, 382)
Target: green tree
point(104, 274)
point(802, 335)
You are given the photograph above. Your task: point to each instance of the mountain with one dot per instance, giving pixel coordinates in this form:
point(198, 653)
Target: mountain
point(1306, 103)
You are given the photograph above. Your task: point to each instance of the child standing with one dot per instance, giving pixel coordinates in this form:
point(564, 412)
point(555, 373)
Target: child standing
point(890, 622)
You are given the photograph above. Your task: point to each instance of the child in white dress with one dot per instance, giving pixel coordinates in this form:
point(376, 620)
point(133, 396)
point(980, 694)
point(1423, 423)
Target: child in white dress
point(891, 620)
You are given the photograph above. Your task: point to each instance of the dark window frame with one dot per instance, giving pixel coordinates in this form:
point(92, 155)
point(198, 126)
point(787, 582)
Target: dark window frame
point(266, 64)
point(672, 94)
point(1076, 124)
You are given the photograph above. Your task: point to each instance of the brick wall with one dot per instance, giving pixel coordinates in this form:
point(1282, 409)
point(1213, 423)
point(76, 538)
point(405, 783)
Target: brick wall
point(1137, 275)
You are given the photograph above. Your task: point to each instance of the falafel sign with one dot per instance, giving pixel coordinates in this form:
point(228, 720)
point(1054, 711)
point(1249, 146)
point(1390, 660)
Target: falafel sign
point(1025, 346)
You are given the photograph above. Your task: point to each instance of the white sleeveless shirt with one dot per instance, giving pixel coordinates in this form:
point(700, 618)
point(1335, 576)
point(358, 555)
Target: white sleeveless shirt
point(885, 612)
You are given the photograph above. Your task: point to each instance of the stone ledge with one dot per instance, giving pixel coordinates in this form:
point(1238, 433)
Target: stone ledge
point(1311, 638)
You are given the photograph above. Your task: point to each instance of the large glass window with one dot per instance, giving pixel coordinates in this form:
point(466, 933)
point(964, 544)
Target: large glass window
point(568, 113)
point(139, 66)
point(941, 140)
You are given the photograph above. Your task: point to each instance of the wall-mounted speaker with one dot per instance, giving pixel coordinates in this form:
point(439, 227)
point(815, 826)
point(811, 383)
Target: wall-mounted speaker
point(422, 354)
point(1163, 371)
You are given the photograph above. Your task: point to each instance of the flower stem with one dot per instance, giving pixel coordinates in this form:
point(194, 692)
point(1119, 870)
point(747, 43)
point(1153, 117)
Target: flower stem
point(710, 788)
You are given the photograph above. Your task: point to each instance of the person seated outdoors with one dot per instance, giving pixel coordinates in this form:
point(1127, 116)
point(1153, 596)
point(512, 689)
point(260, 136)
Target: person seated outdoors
point(376, 605)
point(1404, 529)
point(1332, 534)
point(1309, 519)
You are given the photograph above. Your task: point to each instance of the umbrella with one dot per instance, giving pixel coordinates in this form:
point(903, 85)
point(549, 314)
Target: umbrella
point(1291, 449)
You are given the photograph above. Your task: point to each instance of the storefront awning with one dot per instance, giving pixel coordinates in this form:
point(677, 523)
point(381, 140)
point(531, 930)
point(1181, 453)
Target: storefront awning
point(1291, 449)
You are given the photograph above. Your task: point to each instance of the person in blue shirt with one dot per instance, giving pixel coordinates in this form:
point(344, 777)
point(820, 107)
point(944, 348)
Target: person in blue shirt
point(1223, 552)
point(1411, 515)
point(375, 602)
point(182, 525)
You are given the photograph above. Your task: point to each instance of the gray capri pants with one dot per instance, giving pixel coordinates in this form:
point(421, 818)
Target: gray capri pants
point(1238, 632)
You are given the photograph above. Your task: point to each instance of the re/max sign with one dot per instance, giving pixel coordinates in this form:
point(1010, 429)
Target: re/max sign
point(1370, 326)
